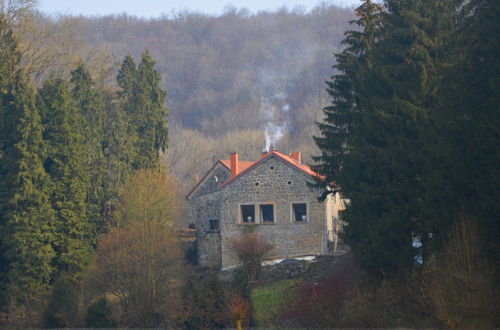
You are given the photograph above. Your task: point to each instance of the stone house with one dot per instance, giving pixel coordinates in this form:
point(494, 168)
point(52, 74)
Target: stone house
point(272, 193)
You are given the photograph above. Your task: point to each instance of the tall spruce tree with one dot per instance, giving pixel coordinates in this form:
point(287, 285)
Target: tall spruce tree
point(90, 105)
point(26, 217)
point(338, 120)
point(9, 59)
point(394, 87)
point(120, 136)
point(65, 165)
point(462, 176)
point(151, 113)
point(142, 101)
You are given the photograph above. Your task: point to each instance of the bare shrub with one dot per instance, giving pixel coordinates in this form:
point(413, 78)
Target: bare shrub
point(459, 283)
point(251, 249)
point(326, 302)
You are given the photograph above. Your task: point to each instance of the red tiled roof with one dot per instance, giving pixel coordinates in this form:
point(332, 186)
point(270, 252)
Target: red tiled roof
point(243, 164)
point(248, 165)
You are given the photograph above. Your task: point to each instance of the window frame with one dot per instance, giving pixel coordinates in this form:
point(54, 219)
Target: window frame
point(292, 213)
point(209, 221)
point(257, 213)
point(260, 213)
point(240, 214)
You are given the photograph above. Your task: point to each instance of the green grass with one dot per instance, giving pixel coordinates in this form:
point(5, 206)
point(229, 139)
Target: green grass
point(266, 300)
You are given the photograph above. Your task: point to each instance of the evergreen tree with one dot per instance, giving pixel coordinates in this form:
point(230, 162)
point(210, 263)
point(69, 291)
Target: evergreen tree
point(65, 165)
point(26, 217)
point(462, 175)
point(387, 92)
point(90, 105)
point(25, 211)
point(142, 102)
point(120, 136)
point(9, 59)
point(338, 118)
point(151, 113)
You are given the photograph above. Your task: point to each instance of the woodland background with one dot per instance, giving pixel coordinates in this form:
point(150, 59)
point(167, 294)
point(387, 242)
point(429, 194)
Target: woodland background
point(229, 78)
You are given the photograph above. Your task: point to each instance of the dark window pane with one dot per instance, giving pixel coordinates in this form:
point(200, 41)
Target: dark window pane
point(247, 213)
point(299, 212)
point(267, 213)
point(213, 225)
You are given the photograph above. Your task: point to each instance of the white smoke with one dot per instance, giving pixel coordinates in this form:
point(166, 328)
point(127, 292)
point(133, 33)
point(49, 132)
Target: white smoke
point(274, 110)
point(273, 133)
point(275, 124)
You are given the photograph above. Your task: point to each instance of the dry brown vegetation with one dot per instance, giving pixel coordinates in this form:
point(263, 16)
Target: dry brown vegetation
point(139, 263)
point(460, 285)
point(251, 249)
point(456, 289)
point(225, 73)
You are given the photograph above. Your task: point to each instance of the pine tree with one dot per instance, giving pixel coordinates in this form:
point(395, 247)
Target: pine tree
point(25, 212)
point(90, 105)
point(142, 103)
point(65, 165)
point(9, 59)
point(338, 118)
point(390, 91)
point(462, 176)
point(26, 217)
point(120, 135)
point(151, 113)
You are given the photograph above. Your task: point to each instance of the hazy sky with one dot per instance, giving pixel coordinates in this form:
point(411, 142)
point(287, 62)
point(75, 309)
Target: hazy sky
point(154, 8)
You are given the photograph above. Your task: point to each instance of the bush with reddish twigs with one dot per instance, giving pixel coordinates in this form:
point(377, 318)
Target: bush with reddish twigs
point(239, 309)
point(322, 304)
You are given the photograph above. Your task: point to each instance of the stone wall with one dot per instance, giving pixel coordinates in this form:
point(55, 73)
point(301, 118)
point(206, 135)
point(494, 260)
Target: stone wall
point(274, 182)
point(205, 204)
point(209, 184)
point(207, 207)
point(312, 271)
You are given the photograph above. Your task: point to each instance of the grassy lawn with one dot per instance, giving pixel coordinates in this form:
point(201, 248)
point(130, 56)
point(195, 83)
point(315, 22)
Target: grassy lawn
point(266, 300)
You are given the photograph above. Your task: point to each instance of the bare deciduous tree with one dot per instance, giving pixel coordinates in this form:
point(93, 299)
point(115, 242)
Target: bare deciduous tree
point(139, 262)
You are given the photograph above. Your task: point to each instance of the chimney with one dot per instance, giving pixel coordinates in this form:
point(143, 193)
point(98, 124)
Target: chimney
point(235, 166)
point(295, 155)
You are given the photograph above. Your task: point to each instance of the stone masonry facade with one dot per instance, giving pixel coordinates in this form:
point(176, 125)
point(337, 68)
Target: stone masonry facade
point(273, 182)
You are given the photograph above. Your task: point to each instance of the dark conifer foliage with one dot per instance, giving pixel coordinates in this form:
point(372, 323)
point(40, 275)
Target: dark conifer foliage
point(90, 105)
point(142, 104)
point(395, 135)
point(151, 113)
point(65, 166)
point(26, 218)
point(463, 176)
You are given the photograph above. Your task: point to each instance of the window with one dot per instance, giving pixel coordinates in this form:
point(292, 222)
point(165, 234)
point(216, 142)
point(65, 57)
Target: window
point(299, 212)
point(213, 225)
point(247, 213)
point(266, 213)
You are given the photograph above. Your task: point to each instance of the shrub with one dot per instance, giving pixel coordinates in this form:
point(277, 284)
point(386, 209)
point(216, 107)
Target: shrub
point(322, 304)
point(459, 283)
point(251, 249)
point(62, 309)
point(99, 315)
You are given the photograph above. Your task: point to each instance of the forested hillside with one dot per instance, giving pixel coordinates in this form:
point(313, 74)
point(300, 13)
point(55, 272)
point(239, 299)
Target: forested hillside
point(228, 77)
point(221, 71)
